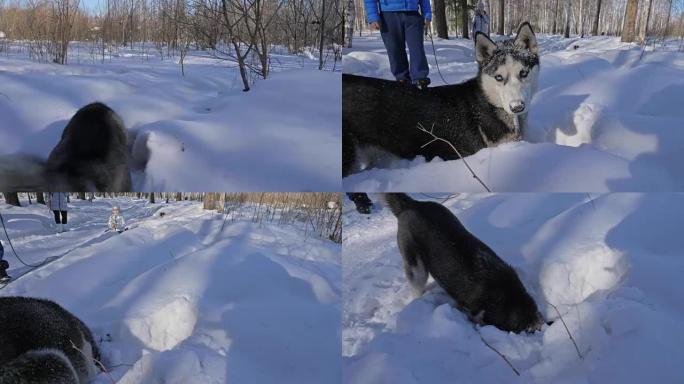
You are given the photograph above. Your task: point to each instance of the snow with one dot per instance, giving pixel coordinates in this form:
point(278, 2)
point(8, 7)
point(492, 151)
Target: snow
point(185, 130)
point(175, 300)
point(610, 263)
point(606, 117)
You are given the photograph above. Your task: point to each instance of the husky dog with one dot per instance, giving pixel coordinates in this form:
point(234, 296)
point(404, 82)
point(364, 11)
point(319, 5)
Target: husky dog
point(433, 242)
point(481, 112)
point(92, 155)
point(36, 339)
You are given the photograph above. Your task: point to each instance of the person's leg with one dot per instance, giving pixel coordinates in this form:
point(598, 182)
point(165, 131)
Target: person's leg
point(392, 32)
point(4, 265)
point(58, 218)
point(64, 217)
point(415, 25)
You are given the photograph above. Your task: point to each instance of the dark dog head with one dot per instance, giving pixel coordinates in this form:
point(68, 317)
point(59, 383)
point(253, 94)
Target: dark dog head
point(511, 308)
point(92, 155)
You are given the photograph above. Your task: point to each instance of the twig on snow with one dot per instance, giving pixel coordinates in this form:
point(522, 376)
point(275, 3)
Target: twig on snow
point(497, 352)
point(436, 138)
point(98, 362)
point(567, 330)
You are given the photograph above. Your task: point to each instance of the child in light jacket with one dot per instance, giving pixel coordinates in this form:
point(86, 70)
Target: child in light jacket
point(116, 221)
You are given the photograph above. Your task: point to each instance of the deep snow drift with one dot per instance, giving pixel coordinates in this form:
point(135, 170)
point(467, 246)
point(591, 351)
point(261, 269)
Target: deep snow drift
point(611, 263)
point(604, 119)
point(197, 129)
point(174, 300)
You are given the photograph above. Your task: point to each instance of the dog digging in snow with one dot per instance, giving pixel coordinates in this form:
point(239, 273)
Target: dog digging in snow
point(38, 341)
point(92, 155)
point(432, 241)
point(380, 118)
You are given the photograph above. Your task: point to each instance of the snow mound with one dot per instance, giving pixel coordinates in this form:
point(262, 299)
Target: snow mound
point(166, 326)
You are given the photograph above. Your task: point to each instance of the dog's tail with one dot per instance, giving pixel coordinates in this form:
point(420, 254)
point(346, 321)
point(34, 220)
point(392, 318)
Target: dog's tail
point(397, 202)
point(39, 365)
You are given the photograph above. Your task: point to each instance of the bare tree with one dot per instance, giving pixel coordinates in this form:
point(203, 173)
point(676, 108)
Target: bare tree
point(597, 16)
point(464, 18)
point(643, 33)
point(12, 198)
point(440, 19)
point(502, 10)
point(629, 26)
point(568, 9)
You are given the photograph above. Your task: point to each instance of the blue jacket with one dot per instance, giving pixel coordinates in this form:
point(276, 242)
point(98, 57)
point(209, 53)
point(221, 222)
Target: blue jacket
point(374, 7)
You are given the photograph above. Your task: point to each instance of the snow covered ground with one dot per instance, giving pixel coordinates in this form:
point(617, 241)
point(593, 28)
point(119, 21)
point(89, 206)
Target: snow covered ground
point(200, 129)
point(611, 263)
point(604, 119)
point(174, 300)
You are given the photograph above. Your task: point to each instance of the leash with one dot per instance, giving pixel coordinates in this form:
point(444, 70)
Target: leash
point(9, 241)
point(434, 53)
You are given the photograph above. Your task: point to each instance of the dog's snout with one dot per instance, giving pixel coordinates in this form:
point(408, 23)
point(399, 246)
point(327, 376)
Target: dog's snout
point(517, 106)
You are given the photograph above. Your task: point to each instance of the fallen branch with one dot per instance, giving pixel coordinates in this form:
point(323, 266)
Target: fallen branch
point(567, 330)
point(98, 362)
point(497, 352)
point(435, 138)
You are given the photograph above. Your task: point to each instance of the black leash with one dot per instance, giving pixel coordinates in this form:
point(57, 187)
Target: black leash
point(434, 53)
point(9, 241)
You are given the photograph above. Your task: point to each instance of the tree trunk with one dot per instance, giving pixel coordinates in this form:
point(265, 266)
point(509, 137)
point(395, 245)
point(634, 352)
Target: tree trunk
point(644, 29)
point(464, 18)
point(82, 195)
point(502, 9)
point(594, 27)
point(12, 198)
point(628, 27)
point(349, 20)
point(439, 16)
point(40, 198)
point(209, 201)
point(566, 32)
point(152, 198)
point(322, 36)
point(581, 19)
point(554, 29)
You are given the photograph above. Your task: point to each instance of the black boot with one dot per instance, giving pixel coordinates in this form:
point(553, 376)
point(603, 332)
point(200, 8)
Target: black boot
point(423, 83)
point(362, 201)
point(4, 277)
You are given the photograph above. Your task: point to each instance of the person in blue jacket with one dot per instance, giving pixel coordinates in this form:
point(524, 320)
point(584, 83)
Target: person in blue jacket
point(401, 23)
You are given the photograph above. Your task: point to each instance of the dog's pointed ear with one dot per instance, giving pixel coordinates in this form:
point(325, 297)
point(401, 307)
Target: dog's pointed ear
point(484, 48)
point(526, 38)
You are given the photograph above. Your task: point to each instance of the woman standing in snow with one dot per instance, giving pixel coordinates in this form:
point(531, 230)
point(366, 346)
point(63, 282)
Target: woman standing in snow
point(481, 20)
point(116, 221)
point(401, 24)
point(57, 203)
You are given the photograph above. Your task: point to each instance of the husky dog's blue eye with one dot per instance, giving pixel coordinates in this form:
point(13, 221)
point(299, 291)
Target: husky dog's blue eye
point(524, 73)
point(498, 78)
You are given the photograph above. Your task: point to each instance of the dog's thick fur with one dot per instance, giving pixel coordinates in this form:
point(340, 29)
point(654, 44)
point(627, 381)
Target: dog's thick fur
point(92, 155)
point(35, 344)
point(481, 112)
point(433, 242)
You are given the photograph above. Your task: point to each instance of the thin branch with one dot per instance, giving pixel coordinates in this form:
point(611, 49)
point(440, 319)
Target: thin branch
point(435, 138)
point(98, 362)
point(567, 330)
point(497, 352)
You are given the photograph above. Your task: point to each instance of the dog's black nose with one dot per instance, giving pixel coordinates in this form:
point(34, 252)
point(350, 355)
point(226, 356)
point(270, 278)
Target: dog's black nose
point(517, 107)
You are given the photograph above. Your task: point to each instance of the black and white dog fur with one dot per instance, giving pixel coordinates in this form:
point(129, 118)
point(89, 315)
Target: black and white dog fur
point(92, 155)
point(432, 241)
point(382, 116)
point(36, 338)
